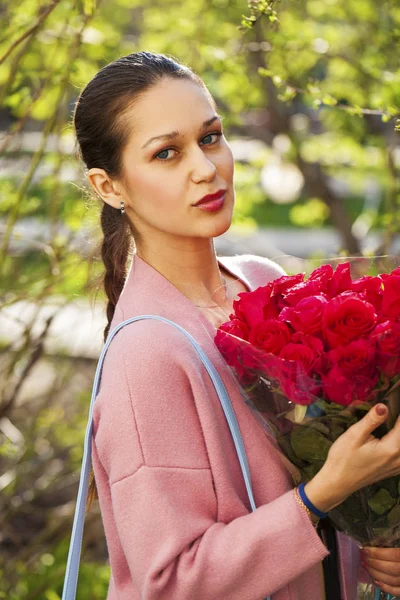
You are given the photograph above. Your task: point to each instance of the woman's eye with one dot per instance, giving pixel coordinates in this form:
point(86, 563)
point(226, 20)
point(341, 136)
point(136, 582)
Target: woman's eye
point(210, 138)
point(163, 155)
point(217, 133)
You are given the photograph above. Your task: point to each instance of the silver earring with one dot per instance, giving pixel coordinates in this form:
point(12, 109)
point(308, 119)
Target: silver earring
point(122, 208)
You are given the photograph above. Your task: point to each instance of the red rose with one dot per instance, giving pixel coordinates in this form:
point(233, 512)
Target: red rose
point(252, 307)
point(300, 362)
point(302, 390)
point(391, 296)
point(300, 353)
point(387, 337)
point(236, 327)
point(347, 317)
point(227, 345)
point(369, 289)
point(355, 358)
point(271, 336)
point(316, 346)
point(308, 340)
point(311, 287)
point(344, 390)
point(324, 275)
point(340, 281)
point(232, 349)
point(251, 362)
point(282, 285)
point(307, 315)
point(269, 366)
point(286, 282)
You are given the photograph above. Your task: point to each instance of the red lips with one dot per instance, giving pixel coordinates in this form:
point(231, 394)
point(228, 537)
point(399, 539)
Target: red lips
point(210, 197)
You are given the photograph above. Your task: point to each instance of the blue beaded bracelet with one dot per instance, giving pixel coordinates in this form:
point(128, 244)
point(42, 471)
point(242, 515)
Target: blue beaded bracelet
point(309, 504)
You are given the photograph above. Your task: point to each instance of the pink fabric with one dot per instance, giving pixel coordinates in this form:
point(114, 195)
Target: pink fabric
point(173, 501)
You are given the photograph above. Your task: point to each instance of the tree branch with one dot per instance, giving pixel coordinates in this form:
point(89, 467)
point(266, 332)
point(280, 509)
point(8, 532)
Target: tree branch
point(31, 30)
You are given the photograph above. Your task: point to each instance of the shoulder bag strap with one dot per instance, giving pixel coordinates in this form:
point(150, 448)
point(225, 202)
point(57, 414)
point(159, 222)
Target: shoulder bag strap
point(71, 575)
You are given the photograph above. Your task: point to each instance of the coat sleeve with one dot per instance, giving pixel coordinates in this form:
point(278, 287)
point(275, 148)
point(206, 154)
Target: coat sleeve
point(165, 507)
point(175, 548)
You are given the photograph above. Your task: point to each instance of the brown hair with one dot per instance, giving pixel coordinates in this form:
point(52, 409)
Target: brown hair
point(102, 135)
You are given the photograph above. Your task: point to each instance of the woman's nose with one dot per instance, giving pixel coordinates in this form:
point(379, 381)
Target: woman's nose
point(202, 167)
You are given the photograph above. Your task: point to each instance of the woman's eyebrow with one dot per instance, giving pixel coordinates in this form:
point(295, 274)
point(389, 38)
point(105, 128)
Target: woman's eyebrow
point(175, 134)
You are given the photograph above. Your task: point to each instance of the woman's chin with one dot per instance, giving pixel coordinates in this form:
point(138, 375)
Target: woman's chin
point(218, 227)
point(224, 229)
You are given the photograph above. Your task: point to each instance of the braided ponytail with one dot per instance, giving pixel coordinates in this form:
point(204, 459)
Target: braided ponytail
point(102, 134)
point(116, 247)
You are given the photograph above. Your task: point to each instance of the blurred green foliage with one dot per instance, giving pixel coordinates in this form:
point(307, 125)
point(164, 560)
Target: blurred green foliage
point(44, 581)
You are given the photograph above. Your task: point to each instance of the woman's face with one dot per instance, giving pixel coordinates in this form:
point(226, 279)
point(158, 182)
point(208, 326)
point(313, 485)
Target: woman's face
point(163, 178)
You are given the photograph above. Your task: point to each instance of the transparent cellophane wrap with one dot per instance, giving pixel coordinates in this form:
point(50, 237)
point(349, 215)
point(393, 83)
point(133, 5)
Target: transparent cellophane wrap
point(306, 431)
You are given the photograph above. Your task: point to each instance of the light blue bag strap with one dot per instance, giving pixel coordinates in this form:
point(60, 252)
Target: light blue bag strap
point(74, 553)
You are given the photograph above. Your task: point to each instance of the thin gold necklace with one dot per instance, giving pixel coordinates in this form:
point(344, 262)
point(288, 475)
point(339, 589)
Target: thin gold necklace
point(215, 305)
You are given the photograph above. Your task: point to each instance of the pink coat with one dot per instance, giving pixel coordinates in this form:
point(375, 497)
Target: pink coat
point(172, 497)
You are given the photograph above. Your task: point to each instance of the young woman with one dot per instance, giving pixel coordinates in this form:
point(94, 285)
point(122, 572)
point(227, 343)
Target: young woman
point(173, 501)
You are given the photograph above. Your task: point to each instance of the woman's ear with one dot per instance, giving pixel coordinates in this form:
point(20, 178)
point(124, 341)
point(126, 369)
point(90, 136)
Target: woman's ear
point(105, 187)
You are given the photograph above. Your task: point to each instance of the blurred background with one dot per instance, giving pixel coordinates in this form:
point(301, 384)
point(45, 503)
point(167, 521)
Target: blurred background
point(310, 94)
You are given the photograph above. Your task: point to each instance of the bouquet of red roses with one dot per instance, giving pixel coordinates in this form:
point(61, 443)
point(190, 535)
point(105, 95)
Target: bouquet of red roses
point(314, 355)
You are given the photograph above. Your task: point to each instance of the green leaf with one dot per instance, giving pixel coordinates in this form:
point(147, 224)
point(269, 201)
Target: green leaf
point(382, 502)
point(382, 532)
point(88, 7)
point(299, 413)
point(277, 81)
point(311, 470)
point(284, 443)
point(313, 89)
point(309, 444)
point(288, 94)
point(355, 110)
point(329, 100)
point(264, 72)
point(394, 516)
point(315, 424)
point(52, 595)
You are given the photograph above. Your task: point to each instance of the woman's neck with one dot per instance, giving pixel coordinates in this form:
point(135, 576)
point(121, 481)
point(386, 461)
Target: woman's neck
point(193, 270)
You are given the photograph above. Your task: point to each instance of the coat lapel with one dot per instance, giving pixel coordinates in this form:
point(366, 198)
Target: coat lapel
point(146, 291)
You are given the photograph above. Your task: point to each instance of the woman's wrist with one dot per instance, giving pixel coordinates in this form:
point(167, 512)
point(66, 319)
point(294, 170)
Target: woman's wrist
point(323, 495)
point(313, 517)
point(309, 504)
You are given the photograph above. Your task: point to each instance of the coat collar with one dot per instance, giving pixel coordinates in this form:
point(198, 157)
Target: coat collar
point(147, 291)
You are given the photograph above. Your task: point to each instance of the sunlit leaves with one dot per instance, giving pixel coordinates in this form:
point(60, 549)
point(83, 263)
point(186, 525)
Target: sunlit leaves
point(349, 47)
point(88, 6)
point(312, 213)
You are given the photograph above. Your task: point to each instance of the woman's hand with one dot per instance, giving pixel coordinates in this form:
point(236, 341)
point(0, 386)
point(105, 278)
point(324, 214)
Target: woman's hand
point(383, 564)
point(355, 460)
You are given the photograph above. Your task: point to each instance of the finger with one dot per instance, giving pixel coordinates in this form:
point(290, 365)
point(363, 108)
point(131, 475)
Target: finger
point(394, 590)
point(374, 417)
point(391, 569)
point(393, 436)
point(384, 577)
point(390, 554)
